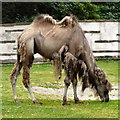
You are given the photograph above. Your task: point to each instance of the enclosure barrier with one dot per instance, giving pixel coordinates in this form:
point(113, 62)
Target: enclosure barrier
point(103, 37)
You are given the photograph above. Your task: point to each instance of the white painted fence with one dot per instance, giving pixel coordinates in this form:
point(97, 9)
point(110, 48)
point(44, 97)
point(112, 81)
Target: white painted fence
point(103, 38)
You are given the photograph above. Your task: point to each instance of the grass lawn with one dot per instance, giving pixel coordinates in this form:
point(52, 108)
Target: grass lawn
point(42, 75)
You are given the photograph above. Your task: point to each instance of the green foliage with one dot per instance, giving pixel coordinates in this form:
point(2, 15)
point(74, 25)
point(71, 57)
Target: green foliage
point(25, 12)
point(109, 10)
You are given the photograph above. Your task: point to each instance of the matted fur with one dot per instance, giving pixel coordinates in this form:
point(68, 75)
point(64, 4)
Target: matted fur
point(44, 18)
point(83, 73)
point(58, 58)
point(57, 64)
point(70, 63)
point(69, 21)
point(101, 76)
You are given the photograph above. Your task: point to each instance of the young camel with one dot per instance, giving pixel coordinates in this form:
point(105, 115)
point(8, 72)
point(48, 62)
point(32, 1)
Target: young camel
point(73, 67)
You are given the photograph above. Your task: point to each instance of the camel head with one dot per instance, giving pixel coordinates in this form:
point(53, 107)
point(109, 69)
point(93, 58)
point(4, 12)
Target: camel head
point(103, 86)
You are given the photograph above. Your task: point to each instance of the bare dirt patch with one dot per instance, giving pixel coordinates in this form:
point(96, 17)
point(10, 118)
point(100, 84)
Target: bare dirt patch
point(86, 95)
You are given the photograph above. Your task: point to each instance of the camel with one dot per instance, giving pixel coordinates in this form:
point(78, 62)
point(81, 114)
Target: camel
point(46, 36)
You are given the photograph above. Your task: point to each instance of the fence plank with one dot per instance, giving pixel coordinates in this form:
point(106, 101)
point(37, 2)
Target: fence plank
point(102, 36)
point(106, 46)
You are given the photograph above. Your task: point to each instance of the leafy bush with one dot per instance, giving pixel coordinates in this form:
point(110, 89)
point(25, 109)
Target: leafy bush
point(25, 12)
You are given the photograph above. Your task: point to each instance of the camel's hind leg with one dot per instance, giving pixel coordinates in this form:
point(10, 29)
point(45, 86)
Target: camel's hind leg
point(26, 78)
point(13, 78)
point(74, 84)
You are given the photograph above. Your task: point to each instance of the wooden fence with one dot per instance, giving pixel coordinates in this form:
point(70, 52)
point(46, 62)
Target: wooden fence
point(103, 37)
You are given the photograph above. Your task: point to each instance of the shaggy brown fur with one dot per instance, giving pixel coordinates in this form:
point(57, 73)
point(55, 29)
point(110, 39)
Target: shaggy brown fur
point(101, 77)
point(70, 64)
point(14, 71)
point(26, 77)
point(83, 73)
point(44, 18)
point(57, 64)
point(68, 21)
point(58, 58)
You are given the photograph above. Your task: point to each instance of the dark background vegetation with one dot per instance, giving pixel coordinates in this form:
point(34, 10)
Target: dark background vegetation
point(25, 12)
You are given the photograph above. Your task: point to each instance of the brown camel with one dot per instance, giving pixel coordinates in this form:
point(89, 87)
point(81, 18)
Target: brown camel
point(46, 36)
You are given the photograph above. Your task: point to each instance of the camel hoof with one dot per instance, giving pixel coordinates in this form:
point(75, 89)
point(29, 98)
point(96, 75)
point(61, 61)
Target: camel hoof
point(65, 104)
point(78, 102)
point(37, 103)
point(18, 101)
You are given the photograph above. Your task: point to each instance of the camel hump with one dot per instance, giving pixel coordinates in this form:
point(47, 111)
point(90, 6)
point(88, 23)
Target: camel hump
point(44, 18)
point(69, 21)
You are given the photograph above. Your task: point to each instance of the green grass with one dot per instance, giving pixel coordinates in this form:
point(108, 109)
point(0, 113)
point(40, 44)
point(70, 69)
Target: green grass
point(54, 109)
point(111, 68)
point(42, 75)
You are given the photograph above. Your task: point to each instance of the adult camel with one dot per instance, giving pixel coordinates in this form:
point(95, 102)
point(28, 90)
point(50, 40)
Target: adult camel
point(46, 36)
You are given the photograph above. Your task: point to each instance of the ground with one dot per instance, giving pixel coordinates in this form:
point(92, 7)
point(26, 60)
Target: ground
point(88, 94)
point(43, 78)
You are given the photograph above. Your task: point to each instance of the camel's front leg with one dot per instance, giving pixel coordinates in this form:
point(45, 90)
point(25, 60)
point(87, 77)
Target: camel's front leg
point(74, 83)
point(26, 82)
point(67, 84)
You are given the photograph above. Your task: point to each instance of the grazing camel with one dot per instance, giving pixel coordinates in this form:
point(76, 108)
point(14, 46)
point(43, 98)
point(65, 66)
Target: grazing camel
point(46, 36)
